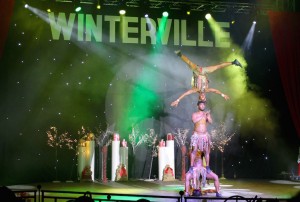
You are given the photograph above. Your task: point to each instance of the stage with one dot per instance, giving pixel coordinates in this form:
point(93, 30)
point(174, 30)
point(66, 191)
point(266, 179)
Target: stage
point(247, 188)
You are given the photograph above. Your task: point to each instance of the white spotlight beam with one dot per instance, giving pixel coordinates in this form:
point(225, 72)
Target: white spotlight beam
point(249, 39)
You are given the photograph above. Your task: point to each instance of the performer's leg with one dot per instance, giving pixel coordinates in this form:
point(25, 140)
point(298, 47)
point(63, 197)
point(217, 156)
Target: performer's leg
point(206, 156)
point(194, 150)
point(193, 155)
point(211, 175)
point(195, 179)
point(206, 149)
point(207, 153)
point(188, 177)
point(213, 68)
point(191, 65)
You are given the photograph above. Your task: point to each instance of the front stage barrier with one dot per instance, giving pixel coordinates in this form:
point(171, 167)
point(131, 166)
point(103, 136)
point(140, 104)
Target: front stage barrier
point(41, 195)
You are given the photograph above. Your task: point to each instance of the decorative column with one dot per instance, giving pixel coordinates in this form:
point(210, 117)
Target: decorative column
point(171, 152)
point(81, 158)
point(86, 158)
point(90, 157)
point(122, 172)
point(115, 158)
point(162, 158)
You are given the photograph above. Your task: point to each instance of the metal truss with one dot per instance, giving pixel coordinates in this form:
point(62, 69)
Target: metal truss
point(241, 6)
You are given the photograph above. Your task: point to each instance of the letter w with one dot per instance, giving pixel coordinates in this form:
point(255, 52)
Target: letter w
point(61, 25)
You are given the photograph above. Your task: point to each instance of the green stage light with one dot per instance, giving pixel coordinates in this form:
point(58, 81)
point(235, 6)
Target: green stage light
point(77, 9)
point(165, 14)
point(122, 12)
point(122, 6)
point(98, 5)
point(207, 16)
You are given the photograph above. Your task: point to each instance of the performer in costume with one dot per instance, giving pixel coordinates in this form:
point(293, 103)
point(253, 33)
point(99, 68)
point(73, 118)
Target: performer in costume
point(192, 177)
point(200, 80)
point(200, 140)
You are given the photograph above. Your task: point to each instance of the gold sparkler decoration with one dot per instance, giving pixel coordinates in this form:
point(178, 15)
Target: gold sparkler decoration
point(220, 137)
point(180, 137)
point(58, 141)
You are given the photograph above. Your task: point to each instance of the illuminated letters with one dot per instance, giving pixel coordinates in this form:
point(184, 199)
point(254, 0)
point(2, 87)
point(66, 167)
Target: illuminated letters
point(134, 30)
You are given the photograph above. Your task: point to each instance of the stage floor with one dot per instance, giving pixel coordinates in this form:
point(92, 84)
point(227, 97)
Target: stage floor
point(281, 189)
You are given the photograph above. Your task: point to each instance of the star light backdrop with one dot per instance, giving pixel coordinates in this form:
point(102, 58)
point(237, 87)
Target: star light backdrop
point(69, 84)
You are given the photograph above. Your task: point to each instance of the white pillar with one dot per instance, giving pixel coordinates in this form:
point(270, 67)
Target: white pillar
point(86, 158)
point(90, 156)
point(162, 161)
point(115, 158)
point(171, 153)
point(124, 158)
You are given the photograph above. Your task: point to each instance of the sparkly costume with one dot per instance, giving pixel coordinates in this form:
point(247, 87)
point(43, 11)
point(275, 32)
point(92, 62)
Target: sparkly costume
point(201, 141)
point(194, 173)
point(199, 79)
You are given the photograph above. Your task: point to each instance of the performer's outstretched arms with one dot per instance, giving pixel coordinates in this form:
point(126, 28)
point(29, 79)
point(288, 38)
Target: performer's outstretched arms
point(191, 91)
point(213, 90)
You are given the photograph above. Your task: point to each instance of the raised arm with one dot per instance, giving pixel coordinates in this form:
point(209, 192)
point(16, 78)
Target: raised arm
point(213, 90)
point(191, 91)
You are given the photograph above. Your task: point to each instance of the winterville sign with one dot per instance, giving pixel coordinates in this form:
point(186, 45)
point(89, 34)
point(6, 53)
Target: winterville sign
point(134, 30)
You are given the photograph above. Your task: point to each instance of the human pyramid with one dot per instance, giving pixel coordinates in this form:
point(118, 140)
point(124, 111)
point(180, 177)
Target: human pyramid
point(200, 144)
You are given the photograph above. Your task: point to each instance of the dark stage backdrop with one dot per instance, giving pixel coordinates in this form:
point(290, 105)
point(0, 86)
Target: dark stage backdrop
point(89, 69)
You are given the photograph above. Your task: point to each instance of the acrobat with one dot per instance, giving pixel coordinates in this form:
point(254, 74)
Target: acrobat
point(200, 79)
point(200, 140)
point(192, 178)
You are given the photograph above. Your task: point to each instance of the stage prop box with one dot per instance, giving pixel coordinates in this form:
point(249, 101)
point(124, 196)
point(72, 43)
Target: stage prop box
point(166, 159)
point(119, 164)
point(86, 159)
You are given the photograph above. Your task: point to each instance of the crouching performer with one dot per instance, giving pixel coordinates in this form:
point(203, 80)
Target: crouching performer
point(192, 178)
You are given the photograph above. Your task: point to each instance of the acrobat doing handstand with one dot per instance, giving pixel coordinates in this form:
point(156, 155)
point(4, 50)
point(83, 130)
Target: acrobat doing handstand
point(200, 80)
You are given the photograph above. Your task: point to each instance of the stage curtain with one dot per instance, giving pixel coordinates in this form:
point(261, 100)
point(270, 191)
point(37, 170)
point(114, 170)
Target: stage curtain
point(6, 11)
point(285, 29)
